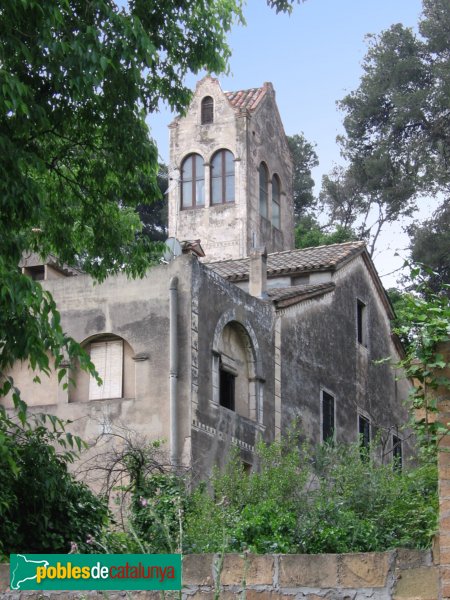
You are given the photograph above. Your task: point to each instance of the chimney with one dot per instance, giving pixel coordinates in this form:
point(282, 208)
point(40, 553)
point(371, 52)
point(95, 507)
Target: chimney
point(258, 273)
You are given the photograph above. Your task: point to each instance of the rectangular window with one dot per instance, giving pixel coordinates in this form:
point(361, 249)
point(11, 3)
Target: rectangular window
point(361, 317)
point(328, 425)
point(364, 434)
point(227, 387)
point(397, 452)
point(108, 360)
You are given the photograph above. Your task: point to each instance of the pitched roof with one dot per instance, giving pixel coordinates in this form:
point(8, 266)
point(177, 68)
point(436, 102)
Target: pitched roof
point(320, 258)
point(286, 296)
point(247, 99)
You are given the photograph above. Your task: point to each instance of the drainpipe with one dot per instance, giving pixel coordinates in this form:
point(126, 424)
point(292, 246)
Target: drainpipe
point(173, 370)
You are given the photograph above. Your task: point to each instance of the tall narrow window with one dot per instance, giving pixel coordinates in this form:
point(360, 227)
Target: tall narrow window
point(193, 182)
point(207, 110)
point(397, 452)
point(276, 202)
point(364, 435)
point(227, 389)
point(263, 189)
point(222, 177)
point(361, 325)
point(328, 425)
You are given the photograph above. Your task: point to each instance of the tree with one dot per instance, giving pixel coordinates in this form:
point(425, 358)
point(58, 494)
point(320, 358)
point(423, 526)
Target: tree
point(430, 245)
point(304, 159)
point(309, 232)
point(397, 122)
point(77, 81)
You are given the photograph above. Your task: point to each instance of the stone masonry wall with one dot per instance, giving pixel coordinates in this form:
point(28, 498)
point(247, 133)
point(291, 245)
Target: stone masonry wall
point(394, 575)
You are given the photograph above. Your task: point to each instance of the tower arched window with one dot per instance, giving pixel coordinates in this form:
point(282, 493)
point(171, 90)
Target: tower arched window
point(276, 193)
point(207, 112)
point(193, 182)
point(222, 177)
point(263, 189)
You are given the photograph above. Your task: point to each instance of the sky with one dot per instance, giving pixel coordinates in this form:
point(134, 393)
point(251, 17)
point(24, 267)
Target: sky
point(313, 58)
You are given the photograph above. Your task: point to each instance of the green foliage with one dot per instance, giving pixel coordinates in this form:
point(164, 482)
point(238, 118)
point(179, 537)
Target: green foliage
point(298, 500)
point(425, 324)
point(397, 124)
point(309, 233)
point(304, 159)
point(42, 507)
point(430, 245)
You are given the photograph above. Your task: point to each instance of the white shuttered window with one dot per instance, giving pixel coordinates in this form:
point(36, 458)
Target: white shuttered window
point(108, 360)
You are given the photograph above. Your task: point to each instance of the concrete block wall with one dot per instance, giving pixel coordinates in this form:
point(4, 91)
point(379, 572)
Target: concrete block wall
point(394, 575)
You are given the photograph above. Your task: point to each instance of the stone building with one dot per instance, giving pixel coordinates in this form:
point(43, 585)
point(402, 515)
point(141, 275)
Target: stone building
point(209, 353)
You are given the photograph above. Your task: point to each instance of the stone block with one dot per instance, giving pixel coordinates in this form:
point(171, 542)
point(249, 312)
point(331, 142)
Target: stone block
point(417, 584)
point(233, 570)
point(259, 569)
point(408, 559)
point(266, 595)
point(200, 595)
point(198, 569)
point(364, 570)
point(308, 570)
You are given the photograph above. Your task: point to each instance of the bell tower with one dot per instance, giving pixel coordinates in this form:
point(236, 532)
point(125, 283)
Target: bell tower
point(231, 173)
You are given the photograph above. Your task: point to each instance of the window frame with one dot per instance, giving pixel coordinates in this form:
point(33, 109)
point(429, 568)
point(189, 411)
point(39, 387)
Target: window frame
point(222, 176)
point(324, 392)
point(361, 322)
point(193, 180)
point(363, 440)
point(207, 110)
point(276, 201)
point(397, 457)
point(263, 187)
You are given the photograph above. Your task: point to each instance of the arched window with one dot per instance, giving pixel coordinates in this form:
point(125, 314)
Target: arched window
point(236, 369)
point(222, 177)
point(193, 182)
point(276, 190)
point(113, 359)
point(263, 189)
point(207, 110)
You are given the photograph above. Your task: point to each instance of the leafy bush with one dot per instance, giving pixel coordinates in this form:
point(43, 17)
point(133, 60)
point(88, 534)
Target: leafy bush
point(43, 508)
point(299, 500)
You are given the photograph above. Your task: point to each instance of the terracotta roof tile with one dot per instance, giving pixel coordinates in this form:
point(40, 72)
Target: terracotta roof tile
point(320, 258)
point(246, 99)
point(291, 295)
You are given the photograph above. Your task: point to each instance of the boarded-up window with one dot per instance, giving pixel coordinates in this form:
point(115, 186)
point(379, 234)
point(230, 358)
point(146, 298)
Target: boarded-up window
point(328, 425)
point(108, 360)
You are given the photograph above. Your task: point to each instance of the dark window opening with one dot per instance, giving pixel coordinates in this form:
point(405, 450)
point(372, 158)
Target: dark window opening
point(276, 193)
point(227, 387)
point(247, 468)
point(327, 417)
point(37, 273)
point(360, 321)
point(397, 453)
point(364, 435)
point(207, 110)
point(263, 189)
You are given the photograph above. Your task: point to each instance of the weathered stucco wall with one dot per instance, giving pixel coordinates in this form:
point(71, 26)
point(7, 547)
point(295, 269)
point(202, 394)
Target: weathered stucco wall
point(320, 351)
point(216, 428)
point(137, 311)
point(395, 575)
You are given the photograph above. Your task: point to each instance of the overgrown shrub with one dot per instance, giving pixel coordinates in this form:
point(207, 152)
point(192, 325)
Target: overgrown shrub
point(299, 500)
point(43, 508)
